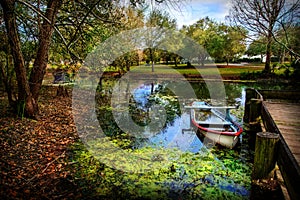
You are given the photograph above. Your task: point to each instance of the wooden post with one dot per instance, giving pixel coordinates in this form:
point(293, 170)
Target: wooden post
point(265, 156)
point(250, 93)
point(255, 110)
point(254, 118)
point(254, 127)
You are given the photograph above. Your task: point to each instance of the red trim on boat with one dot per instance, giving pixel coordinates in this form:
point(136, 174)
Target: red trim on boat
point(219, 132)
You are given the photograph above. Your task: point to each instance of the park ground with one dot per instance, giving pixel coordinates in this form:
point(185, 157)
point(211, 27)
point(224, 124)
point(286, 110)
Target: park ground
point(35, 161)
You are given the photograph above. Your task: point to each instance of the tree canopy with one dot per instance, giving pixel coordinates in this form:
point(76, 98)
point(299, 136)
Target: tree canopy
point(50, 31)
point(40, 31)
point(221, 42)
point(266, 18)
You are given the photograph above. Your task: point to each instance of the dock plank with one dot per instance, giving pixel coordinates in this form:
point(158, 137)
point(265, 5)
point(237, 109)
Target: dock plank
point(280, 113)
point(287, 119)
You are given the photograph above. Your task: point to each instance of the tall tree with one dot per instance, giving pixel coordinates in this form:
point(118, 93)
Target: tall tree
point(6, 63)
point(219, 41)
point(263, 18)
point(203, 31)
point(133, 19)
point(160, 19)
point(234, 43)
point(46, 13)
point(41, 60)
point(257, 47)
point(28, 90)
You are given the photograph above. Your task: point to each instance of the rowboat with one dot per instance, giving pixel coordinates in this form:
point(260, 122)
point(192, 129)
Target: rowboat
point(214, 125)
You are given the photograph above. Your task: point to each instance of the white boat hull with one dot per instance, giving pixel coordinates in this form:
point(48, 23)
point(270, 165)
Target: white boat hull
point(224, 140)
point(213, 126)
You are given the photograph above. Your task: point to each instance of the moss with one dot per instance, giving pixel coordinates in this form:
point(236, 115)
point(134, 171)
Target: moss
point(173, 174)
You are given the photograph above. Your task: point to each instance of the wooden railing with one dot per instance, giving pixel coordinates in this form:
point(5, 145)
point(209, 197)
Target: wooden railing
point(253, 104)
point(255, 107)
point(286, 161)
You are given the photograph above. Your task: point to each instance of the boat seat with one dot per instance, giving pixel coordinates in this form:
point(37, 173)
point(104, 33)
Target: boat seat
point(214, 123)
point(217, 129)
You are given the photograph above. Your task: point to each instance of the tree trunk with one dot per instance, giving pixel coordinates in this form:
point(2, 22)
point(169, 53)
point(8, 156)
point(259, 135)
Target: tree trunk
point(268, 53)
point(152, 60)
point(201, 60)
point(188, 64)
point(282, 59)
point(7, 85)
point(62, 91)
point(175, 60)
point(28, 93)
point(40, 63)
point(24, 94)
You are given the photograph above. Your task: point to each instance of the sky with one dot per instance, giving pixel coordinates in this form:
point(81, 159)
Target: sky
point(193, 10)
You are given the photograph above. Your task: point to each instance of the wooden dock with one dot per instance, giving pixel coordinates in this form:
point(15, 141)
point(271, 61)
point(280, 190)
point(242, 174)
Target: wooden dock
point(287, 119)
point(280, 113)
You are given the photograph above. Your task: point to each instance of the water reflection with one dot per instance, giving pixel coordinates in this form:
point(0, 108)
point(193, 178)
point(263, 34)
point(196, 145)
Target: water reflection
point(176, 135)
point(175, 131)
point(142, 93)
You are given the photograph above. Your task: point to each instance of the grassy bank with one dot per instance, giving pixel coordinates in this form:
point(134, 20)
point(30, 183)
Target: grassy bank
point(207, 70)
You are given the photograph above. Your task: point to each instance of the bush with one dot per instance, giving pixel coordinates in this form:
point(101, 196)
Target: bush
point(296, 73)
point(250, 60)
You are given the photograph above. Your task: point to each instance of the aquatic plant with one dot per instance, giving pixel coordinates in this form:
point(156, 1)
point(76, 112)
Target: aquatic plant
point(173, 174)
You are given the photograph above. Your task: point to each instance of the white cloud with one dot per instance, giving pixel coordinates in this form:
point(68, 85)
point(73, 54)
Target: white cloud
point(194, 10)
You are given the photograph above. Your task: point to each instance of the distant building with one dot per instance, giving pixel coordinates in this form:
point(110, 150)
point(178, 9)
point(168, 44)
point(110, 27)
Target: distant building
point(261, 57)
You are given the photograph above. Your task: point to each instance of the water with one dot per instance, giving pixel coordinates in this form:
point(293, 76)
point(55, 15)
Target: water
point(156, 115)
point(176, 135)
point(178, 132)
point(157, 118)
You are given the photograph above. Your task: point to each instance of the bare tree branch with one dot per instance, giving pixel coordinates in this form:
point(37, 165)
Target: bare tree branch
point(44, 17)
point(265, 18)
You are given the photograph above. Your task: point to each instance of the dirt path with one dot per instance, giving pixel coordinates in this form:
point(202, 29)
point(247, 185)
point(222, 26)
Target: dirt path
point(33, 154)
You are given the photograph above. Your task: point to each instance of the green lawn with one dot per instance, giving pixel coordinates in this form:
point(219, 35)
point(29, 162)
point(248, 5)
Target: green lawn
point(206, 70)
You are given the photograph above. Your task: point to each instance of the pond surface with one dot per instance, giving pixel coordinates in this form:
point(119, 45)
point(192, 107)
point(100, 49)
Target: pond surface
point(153, 113)
point(148, 117)
point(177, 132)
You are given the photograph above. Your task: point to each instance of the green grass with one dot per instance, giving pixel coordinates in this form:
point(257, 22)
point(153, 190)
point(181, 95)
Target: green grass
point(210, 71)
point(238, 71)
point(182, 69)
